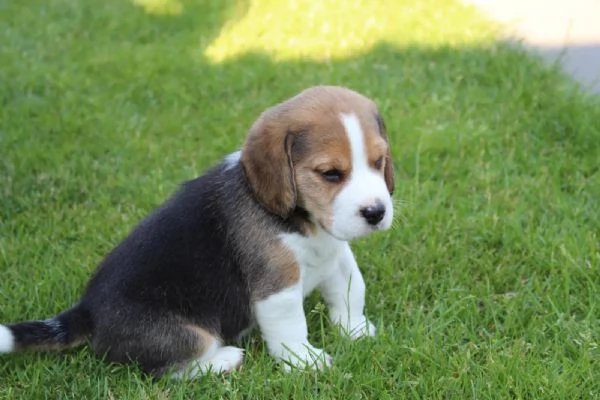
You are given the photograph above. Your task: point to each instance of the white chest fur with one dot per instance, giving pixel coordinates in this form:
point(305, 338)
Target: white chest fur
point(318, 256)
point(326, 263)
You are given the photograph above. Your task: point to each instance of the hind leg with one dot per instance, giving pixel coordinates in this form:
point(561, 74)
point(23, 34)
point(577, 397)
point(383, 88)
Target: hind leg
point(216, 359)
point(161, 343)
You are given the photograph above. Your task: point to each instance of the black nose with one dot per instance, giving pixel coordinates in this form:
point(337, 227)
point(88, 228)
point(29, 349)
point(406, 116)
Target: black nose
point(373, 214)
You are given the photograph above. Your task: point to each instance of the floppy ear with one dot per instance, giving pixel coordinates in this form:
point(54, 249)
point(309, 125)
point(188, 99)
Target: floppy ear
point(388, 171)
point(266, 158)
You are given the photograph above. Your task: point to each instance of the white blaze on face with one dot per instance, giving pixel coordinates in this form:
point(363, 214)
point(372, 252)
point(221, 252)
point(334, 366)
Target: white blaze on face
point(365, 188)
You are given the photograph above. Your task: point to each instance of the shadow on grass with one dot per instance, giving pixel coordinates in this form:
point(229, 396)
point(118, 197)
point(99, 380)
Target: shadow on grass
point(106, 129)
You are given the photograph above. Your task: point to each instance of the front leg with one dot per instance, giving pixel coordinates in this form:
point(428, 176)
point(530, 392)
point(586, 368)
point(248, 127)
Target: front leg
point(282, 322)
point(344, 293)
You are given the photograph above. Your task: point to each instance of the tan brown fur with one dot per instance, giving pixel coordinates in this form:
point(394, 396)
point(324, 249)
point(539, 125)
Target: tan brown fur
point(283, 263)
point(203, 338)
point(55, 346)
point(259, 241)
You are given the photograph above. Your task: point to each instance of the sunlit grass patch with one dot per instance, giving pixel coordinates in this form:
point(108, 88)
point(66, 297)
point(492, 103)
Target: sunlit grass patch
point(333, 29)
point(160, 7)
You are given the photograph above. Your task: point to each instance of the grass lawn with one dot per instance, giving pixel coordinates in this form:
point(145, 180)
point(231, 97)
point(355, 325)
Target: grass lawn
point(487, 287)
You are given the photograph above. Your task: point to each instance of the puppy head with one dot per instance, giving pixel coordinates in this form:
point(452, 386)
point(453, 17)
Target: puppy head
point(325, 151)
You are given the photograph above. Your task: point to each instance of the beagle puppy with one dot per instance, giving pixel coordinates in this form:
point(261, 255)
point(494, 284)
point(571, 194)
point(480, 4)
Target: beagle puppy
point(242, 245)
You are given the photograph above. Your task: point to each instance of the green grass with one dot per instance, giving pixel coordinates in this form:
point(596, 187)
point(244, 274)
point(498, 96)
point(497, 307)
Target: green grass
point(487, 287)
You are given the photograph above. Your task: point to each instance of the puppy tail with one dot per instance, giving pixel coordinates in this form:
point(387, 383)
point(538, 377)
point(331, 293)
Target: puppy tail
point(68, 329)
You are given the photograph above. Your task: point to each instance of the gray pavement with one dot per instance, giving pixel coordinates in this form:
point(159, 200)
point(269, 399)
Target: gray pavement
point(563, 30)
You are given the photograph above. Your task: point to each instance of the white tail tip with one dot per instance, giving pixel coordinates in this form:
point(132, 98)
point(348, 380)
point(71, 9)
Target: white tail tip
point(7, 340)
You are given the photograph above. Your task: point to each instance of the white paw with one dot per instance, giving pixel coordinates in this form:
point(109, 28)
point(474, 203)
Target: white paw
point(224, 360)
point(304, 356)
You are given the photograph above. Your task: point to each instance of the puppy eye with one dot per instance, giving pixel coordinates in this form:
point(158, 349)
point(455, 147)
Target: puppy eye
point(379, 163)
point(332, 175)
